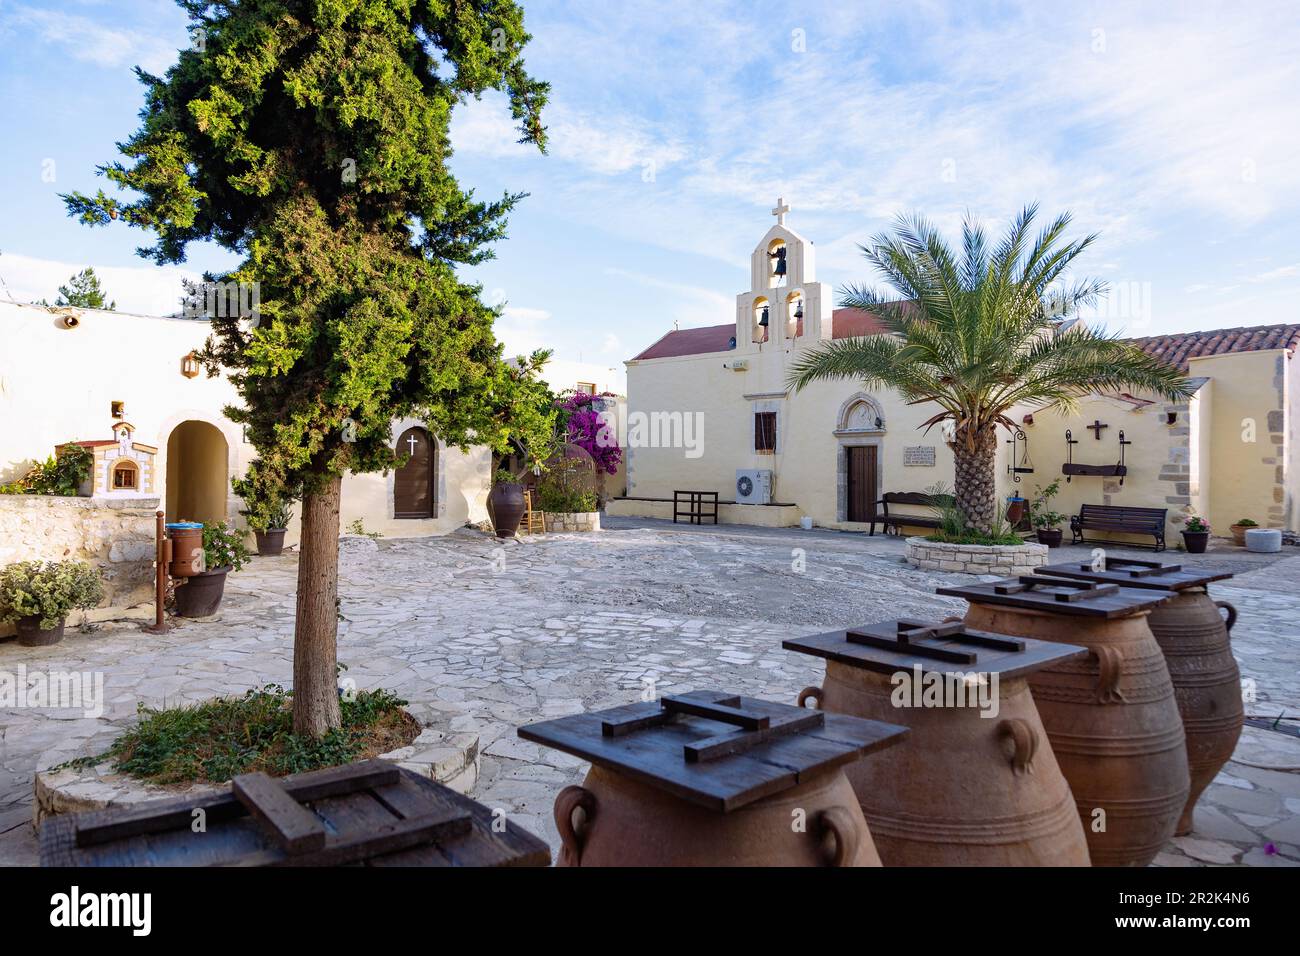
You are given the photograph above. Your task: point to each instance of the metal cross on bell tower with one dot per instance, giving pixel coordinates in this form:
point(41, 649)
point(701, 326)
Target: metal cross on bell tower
point(780, 211)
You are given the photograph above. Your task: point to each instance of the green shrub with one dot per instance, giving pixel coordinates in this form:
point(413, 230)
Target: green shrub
point(1247, 523)
point(566, 486)
point(504, 476)
point(62, 475)
point(222, 738)
point(48, 589)
point(223, 548)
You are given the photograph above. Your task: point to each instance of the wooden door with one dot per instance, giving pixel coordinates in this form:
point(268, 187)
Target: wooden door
point(413, 481)
point(862, 483)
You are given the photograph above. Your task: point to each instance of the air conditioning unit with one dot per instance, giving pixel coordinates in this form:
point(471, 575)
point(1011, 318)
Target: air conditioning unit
point(753, 486)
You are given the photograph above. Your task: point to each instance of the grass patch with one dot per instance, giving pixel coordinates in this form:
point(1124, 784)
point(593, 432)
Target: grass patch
point(219, 739)
point(988, 540)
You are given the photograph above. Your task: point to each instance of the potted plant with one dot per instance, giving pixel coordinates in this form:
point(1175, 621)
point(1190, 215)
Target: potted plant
point(1196, 535)
point(1239, 531)
point(506, 503)
point(1046, 522)
point(37, 596)
point(270, 524)
point(223, 552)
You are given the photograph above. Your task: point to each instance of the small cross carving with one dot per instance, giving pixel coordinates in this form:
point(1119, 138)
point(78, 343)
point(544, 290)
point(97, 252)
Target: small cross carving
point(412, 442)
point(1096, 426)
point(780, 211)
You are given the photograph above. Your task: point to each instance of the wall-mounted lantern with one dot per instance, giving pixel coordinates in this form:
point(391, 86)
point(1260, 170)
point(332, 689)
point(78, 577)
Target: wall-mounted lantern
point(190, 366)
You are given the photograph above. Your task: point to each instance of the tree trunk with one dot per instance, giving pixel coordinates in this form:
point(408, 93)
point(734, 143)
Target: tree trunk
point(975, 490)
point(315, 672)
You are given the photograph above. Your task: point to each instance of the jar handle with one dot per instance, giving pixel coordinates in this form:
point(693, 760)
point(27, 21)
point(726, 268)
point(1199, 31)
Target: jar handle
point(814, 692)
point(571, 840)
point(1232, 613)
point(1025, 741)
point(1111, 663)
point(839, 823)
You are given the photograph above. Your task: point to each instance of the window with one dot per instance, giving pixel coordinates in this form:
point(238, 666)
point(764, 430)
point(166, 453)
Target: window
point(765, 432)
point(124, 475)
point(588, 387)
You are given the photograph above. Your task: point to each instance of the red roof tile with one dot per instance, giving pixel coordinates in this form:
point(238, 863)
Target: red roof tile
point(1177, 349)
point(845, 323)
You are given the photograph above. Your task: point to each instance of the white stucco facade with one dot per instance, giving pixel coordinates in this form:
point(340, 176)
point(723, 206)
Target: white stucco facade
point(60, 383)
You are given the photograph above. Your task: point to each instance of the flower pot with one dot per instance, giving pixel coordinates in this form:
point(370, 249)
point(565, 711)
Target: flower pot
point(506, 505)
point(200, 595)
point(1195, 541)
point(270, 542)
point(1239, 533)
point(1015, 510)
point(31, 634)
point(1050, 537)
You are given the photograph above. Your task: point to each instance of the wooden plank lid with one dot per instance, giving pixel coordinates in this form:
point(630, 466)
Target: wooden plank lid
point(904, 645)
point(1060, 595)
point(1134, 573)
point(715, 749)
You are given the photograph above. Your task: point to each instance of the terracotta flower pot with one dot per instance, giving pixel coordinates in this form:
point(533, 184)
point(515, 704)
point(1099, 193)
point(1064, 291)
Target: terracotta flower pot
point(506, 505)
point(31, 634)
point(1050, 537)
point(201, 594)
point(1239, 533)
point(270, 542)
point(1195, 541)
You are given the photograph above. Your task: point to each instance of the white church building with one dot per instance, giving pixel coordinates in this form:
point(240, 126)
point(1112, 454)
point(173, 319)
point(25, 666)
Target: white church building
point(831, 451)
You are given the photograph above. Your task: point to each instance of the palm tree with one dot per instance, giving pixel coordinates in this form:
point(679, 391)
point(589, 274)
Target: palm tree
point(981, 334)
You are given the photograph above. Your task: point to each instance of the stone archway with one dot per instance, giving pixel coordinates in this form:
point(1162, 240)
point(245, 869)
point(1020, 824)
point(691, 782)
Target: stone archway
point(198, 472)
point(859, 459)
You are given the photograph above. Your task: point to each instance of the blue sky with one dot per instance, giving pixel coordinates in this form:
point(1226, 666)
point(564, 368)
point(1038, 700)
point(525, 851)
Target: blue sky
point(1172, 129)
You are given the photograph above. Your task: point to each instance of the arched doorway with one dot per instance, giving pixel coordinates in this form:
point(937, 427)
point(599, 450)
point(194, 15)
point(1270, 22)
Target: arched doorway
point(198, 474)
point(413, 495)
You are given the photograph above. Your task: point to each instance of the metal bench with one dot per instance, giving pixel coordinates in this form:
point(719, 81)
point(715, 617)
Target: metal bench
point(898, 520)
point(1114, 519)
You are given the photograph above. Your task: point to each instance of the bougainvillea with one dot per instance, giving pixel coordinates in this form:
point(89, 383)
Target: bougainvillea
point(581, 416)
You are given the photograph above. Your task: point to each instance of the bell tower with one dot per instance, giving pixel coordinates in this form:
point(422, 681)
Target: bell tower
point(785, 305)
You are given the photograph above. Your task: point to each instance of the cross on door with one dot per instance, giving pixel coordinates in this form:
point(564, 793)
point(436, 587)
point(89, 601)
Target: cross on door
point(1096, 427)
point(780, 211)
point(412, 442)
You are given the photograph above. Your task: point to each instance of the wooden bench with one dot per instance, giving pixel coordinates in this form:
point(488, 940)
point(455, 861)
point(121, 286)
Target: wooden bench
point(898, 521)
point(700, 506)
point(1115, 519)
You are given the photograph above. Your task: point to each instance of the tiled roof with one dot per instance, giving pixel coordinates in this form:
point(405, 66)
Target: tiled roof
point(1177, 349)
point(845, 323)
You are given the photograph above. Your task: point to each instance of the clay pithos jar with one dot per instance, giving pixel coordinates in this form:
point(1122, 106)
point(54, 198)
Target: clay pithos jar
point(1111, 718)
point(965, 788)
point(712, 779)
point(1198, 651)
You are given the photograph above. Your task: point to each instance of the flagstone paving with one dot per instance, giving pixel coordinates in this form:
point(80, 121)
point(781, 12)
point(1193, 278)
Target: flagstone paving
point(494, 635)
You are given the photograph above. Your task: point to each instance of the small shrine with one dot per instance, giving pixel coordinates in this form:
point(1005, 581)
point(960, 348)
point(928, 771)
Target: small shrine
point(123, 467)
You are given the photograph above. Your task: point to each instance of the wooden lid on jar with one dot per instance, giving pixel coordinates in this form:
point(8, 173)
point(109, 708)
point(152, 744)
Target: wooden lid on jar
point(1132, 573)
point(715, 749)
point(906, 645)
point(1059, 595)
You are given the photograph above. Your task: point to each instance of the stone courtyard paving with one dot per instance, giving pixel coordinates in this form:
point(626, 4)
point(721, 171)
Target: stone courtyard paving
point(494, 635)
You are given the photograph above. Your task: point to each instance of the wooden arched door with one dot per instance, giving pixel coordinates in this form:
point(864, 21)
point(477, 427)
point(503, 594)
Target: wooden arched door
point(413, 482)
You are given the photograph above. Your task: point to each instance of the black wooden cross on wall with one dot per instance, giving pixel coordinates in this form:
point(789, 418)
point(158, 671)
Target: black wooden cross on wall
point(1096, 426)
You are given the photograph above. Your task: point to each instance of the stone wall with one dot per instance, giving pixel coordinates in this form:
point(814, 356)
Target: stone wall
point(975, 558)
point(572, 520)
point(116, 536)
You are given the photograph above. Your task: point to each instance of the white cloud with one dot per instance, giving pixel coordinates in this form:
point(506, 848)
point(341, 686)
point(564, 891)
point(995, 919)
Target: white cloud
point(522, 329)
point(92, 42)
point(142, 290)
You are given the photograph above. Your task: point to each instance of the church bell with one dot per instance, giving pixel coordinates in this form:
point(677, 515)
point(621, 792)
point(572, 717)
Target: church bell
point(779, 256)
point(762, 319)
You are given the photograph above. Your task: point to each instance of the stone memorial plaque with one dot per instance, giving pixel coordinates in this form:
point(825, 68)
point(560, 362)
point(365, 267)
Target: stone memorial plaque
point(918, 456)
